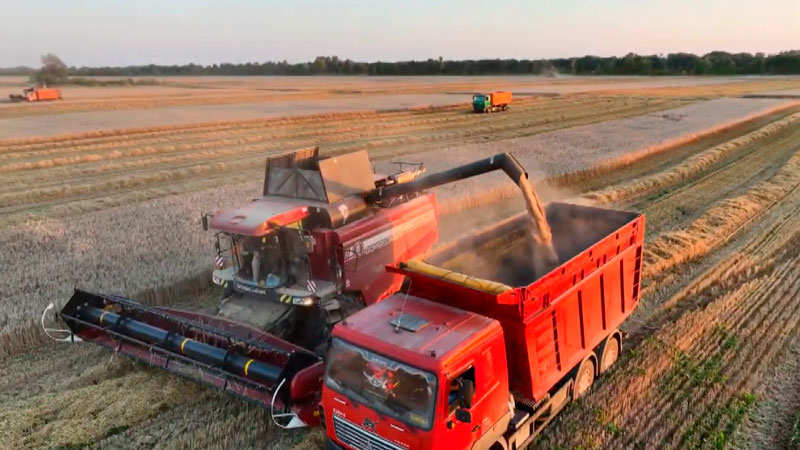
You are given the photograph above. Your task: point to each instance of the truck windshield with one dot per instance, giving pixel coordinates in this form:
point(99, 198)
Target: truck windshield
point(382, 384)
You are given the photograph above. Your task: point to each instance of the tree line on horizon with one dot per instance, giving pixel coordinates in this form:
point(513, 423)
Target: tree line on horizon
point(714, 63)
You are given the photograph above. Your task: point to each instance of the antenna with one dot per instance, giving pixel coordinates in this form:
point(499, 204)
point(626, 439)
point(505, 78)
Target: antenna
point(403, 307)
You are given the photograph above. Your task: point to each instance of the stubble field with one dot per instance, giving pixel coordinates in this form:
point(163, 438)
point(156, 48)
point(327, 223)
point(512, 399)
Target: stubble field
point(713, 350)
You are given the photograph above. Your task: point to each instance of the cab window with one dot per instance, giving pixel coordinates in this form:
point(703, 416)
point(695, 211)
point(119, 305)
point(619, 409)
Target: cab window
point(452, 396)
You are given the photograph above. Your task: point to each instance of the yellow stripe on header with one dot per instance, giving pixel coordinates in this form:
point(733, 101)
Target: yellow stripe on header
point(183, 343)
point(102, 315)
point(246, 366)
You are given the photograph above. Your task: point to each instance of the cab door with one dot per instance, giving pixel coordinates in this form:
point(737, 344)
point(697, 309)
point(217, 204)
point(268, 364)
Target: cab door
point(485, 367)
point(459, 434)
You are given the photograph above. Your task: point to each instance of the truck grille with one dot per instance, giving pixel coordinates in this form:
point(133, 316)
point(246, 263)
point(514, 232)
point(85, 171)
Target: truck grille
point(358, 438)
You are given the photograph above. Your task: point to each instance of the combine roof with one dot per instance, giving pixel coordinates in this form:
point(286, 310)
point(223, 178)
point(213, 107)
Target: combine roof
point(252, 219)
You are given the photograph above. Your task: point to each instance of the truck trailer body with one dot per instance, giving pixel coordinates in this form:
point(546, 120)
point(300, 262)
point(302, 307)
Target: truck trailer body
point(489, 361)
point(37, 94)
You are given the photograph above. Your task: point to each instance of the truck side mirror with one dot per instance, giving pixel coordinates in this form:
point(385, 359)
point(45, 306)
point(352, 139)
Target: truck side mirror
point(466, 392)
point(216, 246)
point(463, 416)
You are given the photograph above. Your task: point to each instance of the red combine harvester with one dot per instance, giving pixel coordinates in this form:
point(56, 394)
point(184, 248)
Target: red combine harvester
point(312, 249)
point(484, 346)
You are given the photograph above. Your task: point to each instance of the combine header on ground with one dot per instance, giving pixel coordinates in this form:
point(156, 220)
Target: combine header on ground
point(235, 358)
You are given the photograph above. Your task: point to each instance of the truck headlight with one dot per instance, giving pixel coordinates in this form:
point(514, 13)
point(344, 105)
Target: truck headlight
point(303, 301)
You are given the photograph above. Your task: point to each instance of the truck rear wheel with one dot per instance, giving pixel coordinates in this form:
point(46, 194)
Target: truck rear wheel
point(584, 379)
point(610, 353)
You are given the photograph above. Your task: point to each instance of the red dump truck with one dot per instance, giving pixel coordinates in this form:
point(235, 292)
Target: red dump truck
point(481, 352)
point(37, 94)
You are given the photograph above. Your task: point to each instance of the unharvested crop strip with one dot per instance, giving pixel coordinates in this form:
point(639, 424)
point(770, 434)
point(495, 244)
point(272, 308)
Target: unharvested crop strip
point(690, 167)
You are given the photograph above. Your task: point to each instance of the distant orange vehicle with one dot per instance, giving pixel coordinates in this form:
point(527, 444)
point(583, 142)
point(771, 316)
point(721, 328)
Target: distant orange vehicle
point(37, 94)
point(494, 101)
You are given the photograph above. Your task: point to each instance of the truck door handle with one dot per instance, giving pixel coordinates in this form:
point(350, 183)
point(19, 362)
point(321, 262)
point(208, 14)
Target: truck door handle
point(476, 428)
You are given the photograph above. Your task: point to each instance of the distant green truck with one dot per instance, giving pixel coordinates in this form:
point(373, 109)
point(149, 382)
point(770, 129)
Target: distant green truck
point(491, 102)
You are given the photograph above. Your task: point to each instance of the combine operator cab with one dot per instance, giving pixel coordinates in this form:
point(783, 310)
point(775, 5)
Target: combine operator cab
point(301, 243)
point(272, 261)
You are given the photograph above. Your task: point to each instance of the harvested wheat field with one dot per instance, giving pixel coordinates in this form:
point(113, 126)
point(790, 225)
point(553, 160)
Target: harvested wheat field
point(713, 350)
point(194, 100)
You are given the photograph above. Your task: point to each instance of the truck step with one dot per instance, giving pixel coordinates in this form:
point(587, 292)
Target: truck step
point(519, 418)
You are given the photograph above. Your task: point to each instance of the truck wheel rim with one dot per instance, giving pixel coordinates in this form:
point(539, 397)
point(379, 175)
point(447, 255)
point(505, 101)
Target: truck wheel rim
point(611, 356)
point(585, 380)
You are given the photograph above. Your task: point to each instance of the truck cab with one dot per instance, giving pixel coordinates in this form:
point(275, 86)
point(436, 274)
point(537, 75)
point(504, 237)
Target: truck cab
point(409, 373)
point(481, 102)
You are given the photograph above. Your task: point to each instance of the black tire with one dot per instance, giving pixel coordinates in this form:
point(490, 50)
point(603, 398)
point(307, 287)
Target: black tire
point(314, 327)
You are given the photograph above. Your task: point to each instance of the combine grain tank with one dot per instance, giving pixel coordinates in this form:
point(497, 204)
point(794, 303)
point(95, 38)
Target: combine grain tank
point(482, 352)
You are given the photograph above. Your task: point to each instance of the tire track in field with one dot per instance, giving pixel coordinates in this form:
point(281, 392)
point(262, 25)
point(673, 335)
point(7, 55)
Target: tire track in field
point(775, 422)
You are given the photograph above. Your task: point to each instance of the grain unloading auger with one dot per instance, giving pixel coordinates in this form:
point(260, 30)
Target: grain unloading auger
point(245, 361)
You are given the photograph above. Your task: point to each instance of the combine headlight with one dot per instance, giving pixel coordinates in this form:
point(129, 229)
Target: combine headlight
point(303, 301)
point(217, 280)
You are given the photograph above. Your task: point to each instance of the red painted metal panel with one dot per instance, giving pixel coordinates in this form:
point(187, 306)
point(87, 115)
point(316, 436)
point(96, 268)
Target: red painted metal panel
point(391, 235)
point(550, 329)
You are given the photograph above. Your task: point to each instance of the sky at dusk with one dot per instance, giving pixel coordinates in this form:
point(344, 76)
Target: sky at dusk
point(132, 32)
